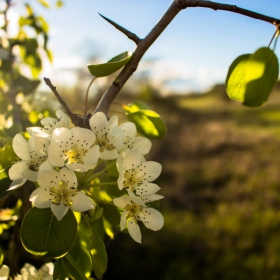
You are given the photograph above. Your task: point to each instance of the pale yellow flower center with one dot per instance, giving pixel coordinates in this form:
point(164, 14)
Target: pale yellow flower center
point(62, 194)
point(104, 143)
point(75, 155)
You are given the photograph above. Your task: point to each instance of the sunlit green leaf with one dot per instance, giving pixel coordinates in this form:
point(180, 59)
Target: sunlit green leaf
point(1, 256)
point(5, 183)
point(42, 234)
point(98, 256)
point(147, 122)
point(111, 213)
point(73, 268)
point(136, 106)
point(251, 77)
point(80, 250)
point(8, 156)
point(59, 272)
point(113, 65)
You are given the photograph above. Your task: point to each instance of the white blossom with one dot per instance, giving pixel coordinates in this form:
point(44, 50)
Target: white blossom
point(74, 149)
point(4, 272)
point(33, 159)
point(50, 124)
point(135, 210)
point(58, 190)
point(29, 272)
point(109, 137)
point(132, 141)
point(136, 175)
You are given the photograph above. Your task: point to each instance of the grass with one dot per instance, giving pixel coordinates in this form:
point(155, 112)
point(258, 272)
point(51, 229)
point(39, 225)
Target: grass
point(221, 183)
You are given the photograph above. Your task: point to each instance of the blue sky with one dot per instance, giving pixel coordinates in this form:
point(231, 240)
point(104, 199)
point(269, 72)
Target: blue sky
point(201, 42)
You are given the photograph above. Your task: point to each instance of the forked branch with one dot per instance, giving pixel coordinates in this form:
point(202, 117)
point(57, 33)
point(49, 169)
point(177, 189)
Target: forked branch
point(144, 44)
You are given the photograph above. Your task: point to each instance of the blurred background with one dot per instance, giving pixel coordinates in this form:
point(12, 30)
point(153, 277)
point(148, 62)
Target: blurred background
point(220, 159)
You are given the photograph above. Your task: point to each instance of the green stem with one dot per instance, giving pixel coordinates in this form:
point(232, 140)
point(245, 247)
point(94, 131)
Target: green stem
point(105, 184)
point(101, 172)
point(86, 100)
point(85, 218)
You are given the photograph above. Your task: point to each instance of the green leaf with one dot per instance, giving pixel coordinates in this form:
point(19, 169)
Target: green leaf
point(59, 272)
point(5, 183)
point(147, 122)
point(136, 106)
point(111, 213)
point(73, 268)
point(80, 250)
point(98, 255)
point(42, 234)
point(251, 77)
point(113, 65)
point(8, 156)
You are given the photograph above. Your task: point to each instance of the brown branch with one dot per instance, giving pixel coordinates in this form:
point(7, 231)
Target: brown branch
point(76, 120)
point(226, 7)
point(129, 34)
point(145, 43)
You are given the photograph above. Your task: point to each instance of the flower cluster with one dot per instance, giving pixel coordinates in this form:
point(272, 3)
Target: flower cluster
point(54, 154)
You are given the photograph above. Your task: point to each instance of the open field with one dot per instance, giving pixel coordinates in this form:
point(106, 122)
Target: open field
point(221, 183)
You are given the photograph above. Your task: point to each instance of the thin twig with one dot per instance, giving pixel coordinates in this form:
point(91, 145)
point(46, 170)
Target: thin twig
point(227, 7)
point(176, 6)
point(86, 99)
point(76, 120)
point(128, 33)
point(273, 36)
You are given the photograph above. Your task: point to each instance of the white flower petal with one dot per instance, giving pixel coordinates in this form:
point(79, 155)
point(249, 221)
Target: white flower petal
point(142, 144)
point(119, 164)
point(4, 272)
point(30, 175)
point(120, 182)
point(109, 155)
point(49, 178)
point(132, 160)
point(129, 130)
point(152, 218)
point(45, 166)
point(69, 177)
point(92, 156)
point(38, 145)
point(55, 155)
point(152, 197)
point(41, 198)
point(59, 210)
point(134, 231)
point(62, 136)
point(76, 167)
point(81, 202)
point(150, 170)
point(113, 122)
point(16, 184)
point(98, 123)
point(20, 147)
point(147, 189)
point(37, 131)
point(116, 137)
point(123, 220)
point(15, 172)
point(135, 198)
point(122, 201)
point(63, 118)
point(84, 138)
